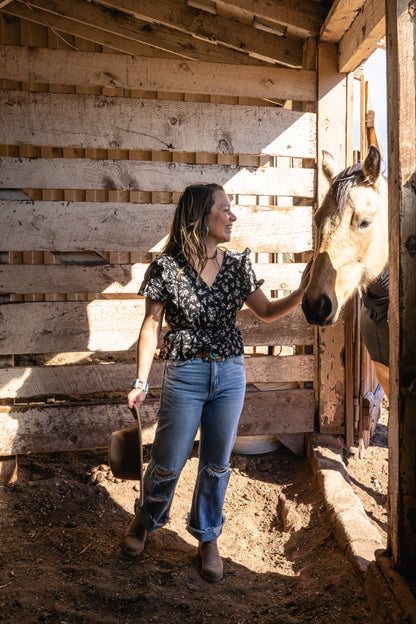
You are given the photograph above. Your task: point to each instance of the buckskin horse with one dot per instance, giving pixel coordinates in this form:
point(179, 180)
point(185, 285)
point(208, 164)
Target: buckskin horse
point(352, 254)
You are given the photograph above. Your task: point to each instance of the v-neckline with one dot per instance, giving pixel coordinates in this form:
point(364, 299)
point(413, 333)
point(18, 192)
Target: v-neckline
point(218, 272)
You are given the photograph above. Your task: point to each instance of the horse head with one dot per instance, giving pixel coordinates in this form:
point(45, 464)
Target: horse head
point(352, 237)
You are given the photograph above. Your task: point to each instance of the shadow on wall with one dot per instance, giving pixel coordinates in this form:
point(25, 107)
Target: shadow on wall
point(49, 392)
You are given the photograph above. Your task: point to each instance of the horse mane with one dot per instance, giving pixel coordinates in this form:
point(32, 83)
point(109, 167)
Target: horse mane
point(342, 185)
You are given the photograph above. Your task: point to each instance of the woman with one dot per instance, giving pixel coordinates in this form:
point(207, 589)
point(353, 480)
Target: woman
point(199, 287)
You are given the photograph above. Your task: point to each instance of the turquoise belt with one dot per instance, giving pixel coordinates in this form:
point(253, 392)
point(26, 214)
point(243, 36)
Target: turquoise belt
point(210, 356)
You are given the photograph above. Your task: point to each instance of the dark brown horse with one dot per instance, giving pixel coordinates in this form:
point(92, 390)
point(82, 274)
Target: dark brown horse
point(352, 253)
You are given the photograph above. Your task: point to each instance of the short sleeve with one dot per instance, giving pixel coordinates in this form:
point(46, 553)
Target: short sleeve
point(250, 283)
point(154, 282)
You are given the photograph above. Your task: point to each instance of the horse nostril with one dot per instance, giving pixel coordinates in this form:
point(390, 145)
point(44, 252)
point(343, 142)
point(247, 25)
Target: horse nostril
point(325, 307)
point(318, 312)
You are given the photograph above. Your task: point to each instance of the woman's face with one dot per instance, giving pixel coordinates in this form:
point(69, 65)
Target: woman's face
point(220, 220)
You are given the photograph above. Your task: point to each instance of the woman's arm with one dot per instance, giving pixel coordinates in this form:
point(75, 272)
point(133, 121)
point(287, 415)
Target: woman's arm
point(268, 310)
point(146, 346)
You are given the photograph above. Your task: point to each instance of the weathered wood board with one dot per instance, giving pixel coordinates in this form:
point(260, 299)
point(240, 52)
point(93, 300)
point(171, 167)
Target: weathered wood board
point(116, 39)
point(332, 379)
point(85, 173)
point(76, 427)
point(32, 381)
point(340, 17)
point(52, 327)
point(332, 109)
point(401, 107)
point(97, 121)
point(282, 411)
point(76, 226)
point(115, 279)
point(264, 45)
point(362, 38)
point(119, 70)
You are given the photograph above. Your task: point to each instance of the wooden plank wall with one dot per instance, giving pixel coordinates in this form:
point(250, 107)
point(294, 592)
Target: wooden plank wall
point(102, 168)
point(333, 128)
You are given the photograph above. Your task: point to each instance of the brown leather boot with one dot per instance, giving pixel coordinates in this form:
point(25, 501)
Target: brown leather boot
point(134, 539)
point(211, 565)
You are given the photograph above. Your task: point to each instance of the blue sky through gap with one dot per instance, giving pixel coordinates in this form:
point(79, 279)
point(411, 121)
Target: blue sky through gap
point(375, 74)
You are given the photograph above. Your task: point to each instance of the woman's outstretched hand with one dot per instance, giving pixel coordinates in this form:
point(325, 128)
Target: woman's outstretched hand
point(305, 276)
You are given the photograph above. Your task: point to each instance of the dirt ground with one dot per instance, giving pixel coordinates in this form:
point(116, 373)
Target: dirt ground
point(62, 523)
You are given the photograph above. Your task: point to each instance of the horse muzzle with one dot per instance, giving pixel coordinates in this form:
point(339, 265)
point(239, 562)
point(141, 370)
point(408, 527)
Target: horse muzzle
point(319, 311)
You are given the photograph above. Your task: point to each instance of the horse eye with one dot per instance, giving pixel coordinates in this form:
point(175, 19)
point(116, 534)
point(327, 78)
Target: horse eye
point(364, 223)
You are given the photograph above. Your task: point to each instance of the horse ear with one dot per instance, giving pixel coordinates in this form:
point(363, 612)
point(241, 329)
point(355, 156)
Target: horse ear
point(329, 166)
point(372, 165)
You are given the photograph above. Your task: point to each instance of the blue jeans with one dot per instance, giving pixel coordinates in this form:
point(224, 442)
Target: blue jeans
point(209, 395)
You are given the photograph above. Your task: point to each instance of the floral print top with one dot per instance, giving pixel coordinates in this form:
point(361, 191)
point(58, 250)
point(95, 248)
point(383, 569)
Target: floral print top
point(199, 316)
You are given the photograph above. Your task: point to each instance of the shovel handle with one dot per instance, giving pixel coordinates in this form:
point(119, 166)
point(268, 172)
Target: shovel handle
point(135, 411)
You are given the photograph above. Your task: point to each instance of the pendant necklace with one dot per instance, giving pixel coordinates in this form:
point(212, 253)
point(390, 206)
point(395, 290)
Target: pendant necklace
point(214, 256)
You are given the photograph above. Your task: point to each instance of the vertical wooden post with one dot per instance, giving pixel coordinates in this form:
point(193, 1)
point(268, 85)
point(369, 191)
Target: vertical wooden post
point(349, 129)
point(351, 306)
point(401, 107)
point(349, 372)
point(363, 111)
point(332, 101)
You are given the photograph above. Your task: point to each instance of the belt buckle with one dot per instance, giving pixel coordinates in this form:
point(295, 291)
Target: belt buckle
point(211, 356)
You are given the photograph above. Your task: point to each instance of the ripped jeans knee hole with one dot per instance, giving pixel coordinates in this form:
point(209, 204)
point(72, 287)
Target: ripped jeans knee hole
point(217, 471)
point(162, 474)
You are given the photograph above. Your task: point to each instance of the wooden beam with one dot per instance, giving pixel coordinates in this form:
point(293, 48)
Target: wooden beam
point(85, 426)
point(269, 412)
point(102, 122)
point(332, 120)
point(128, 35)
point(39, 381)
point(74, 226)
point(53, 327)
point(332, 112)
point(351, 338)
point(361, 39)
point(119, 70)
point(122, 279)
point(349, 122)
point(91, 174)
point(305, 17)
point(4, 3)
point(350, 322)
point(340, 17)
point(84, 31)
point(213, 28)
point(69, 427)
point(401, 111)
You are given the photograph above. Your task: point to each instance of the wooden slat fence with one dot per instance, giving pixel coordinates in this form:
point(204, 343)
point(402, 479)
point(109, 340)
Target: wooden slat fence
point(102, 168)
point(115, 278)
point(120, 123)
point(120, 71)
point(76, 226)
